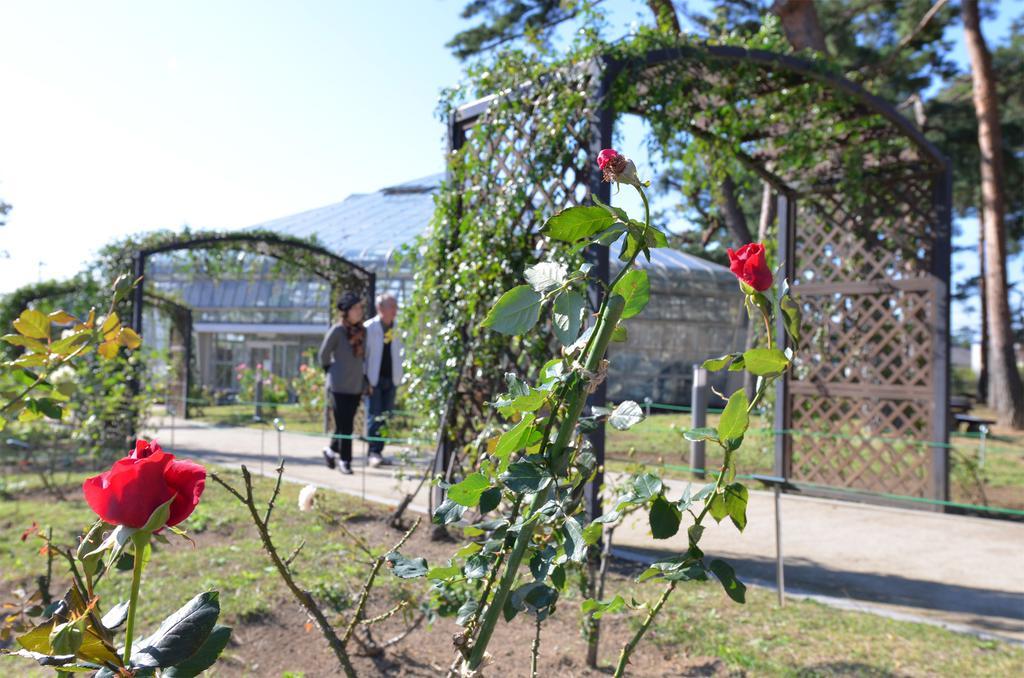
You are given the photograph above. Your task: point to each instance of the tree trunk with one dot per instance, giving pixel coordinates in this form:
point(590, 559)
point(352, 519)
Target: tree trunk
point(665, 15)
point(1005, 393)
point(800, 22)
point(983, 368)
point(735, 219)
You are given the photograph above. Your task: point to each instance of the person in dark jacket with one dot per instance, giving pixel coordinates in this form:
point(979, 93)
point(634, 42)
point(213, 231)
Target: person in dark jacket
point(342, 354)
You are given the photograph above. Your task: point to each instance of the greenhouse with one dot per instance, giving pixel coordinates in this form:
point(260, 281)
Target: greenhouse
point(263, 317)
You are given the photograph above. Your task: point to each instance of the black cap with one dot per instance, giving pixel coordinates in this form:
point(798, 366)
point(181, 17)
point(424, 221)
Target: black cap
point(348, 300)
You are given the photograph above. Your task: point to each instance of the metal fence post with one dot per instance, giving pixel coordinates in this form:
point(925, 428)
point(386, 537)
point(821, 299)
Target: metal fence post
point(699, 407)
point(982, 435)
point(258, 395)
point(279, 425)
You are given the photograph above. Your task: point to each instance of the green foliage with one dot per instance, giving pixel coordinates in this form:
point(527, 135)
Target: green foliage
point(516, 311)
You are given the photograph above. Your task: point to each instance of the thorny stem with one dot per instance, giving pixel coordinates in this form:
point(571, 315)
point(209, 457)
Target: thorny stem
point(365, 593)
point(609, 317)
point(304, 597)
point(628, 648)
point(631, 645)
point(493, 575)
point(535, 650)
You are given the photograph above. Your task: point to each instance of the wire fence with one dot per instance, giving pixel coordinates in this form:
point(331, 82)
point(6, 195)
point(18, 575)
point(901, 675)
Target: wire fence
point(973, 447)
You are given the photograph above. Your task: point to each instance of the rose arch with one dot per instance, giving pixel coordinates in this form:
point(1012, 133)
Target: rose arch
point(863, 229)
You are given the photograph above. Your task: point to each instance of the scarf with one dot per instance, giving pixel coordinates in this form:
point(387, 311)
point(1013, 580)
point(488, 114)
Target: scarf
point(356, 337)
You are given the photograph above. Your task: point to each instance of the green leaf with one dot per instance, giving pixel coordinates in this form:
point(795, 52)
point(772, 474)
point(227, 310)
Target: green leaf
point(546, 275)
point(205, 656)
point(646, 486)
point(592, 533)
point(467, 492)
point(446, 572)
point(701, 433)
point(26, 342)
point(620, 334)
point(716, 506)
point(476, 566)
point(447, 513)
point(626, 415)
point(525, 476)
point(406, 568)
point(765, 362)
point(516, 311)
point(694, 533)
point(664, 518)
point(736, 496)
point(715, 364)
point(34, 324)
point(790, 317)
point(466, 612)
point(50, 408)
point(576, 223)
point(575, 544)
point(599, 608)
point(558, 577)
point(68, 345)
point(490, 499)
point(735, 420)
point(181, 635)
point(515, 438)
point(536, 598)
point(635, 288)
point(567, 316)
point(616, 212)
point(733, 587)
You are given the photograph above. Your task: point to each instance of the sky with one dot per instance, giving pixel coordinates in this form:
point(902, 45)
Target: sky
point(120, 117)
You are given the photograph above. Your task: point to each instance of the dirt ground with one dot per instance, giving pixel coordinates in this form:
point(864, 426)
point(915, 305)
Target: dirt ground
point(257, 650)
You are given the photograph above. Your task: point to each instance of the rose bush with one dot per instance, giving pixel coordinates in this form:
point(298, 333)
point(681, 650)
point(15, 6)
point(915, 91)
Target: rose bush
point(139, 484)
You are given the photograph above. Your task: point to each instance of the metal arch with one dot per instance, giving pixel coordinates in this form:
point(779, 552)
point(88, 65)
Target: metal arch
point(803, 67)
point(203, 242)
point(255, 239)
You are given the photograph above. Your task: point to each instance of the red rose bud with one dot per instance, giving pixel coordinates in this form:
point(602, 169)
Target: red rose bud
point(137, 485)
point(617, 167)
point(748, 263)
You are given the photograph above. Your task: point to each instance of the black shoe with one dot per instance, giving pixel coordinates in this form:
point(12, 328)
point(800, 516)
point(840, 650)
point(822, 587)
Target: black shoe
point(329, 457)
point(346, 468)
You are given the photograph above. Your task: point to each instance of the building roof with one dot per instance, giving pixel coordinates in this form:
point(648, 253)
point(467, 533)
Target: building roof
point(368, 228)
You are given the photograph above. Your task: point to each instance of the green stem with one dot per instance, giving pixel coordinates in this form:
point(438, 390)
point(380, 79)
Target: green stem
point(628, 648)
point(609, 317)
point(141, 541)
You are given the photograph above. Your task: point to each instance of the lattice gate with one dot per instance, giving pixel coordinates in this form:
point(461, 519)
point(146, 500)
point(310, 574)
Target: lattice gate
point(866, 407)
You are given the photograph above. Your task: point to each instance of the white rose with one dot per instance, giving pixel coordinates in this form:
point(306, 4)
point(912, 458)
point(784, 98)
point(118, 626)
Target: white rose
point(306, 497)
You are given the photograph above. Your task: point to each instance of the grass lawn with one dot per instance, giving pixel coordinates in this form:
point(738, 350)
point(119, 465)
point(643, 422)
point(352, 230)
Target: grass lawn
point(700, 630)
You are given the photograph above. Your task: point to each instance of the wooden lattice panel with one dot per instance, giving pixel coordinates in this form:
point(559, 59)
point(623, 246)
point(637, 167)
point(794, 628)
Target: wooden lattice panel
point(864, 378)
point(881, 337)
point(868, 443)
point(508, 150)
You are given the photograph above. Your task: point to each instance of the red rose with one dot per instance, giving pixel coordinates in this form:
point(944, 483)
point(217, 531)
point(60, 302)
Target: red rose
point(140, 483)
point(750, 266)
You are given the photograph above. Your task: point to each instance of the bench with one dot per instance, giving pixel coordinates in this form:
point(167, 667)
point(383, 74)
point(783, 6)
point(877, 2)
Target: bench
point(974, 424)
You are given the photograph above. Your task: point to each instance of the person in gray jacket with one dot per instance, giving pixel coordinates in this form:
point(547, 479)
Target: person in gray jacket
point(383, 371)
point(342, 355)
